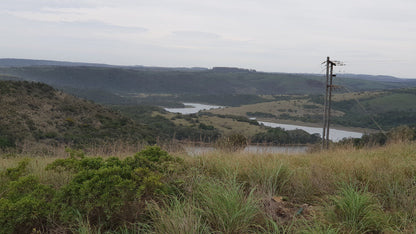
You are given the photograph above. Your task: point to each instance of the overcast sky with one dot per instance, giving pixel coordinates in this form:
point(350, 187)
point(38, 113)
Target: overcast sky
point(370, 36)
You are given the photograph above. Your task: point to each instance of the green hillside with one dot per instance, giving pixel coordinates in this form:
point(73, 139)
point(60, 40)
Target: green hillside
point(225, 86)
point(35, 112)
point(389, 109)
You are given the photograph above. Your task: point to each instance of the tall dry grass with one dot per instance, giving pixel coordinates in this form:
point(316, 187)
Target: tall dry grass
point(387, 174)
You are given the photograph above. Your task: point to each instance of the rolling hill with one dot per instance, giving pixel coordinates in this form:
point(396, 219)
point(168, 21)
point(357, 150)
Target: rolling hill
point(35, 112)
point(135, 84)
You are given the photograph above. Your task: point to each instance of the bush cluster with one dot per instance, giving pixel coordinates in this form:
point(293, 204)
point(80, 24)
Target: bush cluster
point(101, 191)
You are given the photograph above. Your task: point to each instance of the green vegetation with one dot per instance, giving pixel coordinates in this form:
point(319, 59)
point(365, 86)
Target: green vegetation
point(336, 191)
point(37, 116)
point(402, 133)
point(358, 211)
point(275, 96)
point(101, 191)
point(227, 207)
point(216, 86)
point(362, 185)
point(37, 113)
point(388, 109)
point(156, 119)
point(279, 136)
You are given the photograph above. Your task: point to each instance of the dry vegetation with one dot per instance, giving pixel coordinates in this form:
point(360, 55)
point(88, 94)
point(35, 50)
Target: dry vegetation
point(342, 190)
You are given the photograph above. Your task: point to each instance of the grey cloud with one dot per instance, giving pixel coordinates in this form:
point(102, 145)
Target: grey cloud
point(196, 35)
point(102, 26)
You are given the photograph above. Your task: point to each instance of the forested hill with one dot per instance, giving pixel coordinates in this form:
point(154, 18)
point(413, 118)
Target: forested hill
point(37, 113)
point(216, 81)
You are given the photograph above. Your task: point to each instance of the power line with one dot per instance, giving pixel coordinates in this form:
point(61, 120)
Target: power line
point(363, 108)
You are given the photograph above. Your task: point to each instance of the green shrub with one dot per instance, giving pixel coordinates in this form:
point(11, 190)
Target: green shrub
point(6, 142)
point(25, 204)
point(101, 190)
point(15, 172)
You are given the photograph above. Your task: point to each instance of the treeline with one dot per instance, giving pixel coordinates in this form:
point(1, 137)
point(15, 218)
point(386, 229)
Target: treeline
point(165, 128)
point(279, 136)
point(403, 133)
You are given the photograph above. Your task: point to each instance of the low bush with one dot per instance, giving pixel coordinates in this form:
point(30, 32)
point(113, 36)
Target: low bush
point(104, 192)
point(101, 189)
point(25, 204)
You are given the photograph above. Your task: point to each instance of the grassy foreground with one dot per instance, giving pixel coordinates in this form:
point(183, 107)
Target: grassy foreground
point(336, 191)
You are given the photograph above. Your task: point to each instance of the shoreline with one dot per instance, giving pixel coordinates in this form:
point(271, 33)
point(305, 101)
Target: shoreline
point(317, 125)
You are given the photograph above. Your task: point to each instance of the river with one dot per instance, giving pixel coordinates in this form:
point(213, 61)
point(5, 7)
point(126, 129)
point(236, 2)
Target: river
point(334, 134)
point(192, 108)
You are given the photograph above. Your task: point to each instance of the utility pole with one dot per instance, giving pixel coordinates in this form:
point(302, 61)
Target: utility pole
point(327, 102)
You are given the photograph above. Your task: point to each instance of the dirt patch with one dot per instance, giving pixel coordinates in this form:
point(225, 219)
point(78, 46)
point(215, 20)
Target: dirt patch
point(283, 212)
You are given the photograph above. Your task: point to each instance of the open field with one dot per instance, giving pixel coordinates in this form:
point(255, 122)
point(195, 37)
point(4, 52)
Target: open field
point(226, 126)
point(295, 108)
point(342, 190)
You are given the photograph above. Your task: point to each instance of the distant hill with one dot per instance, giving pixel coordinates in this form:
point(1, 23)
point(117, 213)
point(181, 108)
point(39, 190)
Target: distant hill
point(13, 62)
point(109, 84)
point(379, 78)
point(35, 112)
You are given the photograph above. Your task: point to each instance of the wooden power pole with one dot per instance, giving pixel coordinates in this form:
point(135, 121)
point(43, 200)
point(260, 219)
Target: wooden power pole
point(327, 102)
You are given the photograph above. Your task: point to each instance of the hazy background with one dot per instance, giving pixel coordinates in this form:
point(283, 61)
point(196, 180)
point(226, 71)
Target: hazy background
point(371, 37)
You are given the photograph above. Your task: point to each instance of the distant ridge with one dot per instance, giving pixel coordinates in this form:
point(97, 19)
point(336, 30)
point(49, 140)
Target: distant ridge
point(14, 62)
point(125, 81)
point(17, 62)
point(373, 77)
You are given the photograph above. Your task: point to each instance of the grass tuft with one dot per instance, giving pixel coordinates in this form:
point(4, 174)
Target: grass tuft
point(226, 207)
point(177, 217)
point(358, 211)
point(267, 176)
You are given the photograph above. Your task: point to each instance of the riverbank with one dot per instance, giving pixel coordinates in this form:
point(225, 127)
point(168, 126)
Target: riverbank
point(316, 125)
point(336, 133)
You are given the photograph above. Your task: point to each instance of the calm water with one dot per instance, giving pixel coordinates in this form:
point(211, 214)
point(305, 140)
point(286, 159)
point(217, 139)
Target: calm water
point(334, 134)
point(192, 108)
